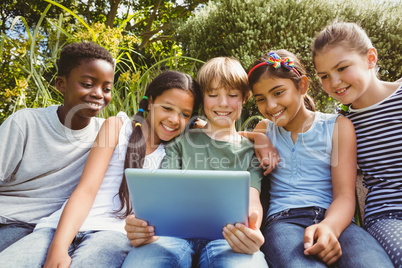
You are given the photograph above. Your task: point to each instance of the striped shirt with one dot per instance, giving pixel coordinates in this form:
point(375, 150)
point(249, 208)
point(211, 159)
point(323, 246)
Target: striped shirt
point(379, 152)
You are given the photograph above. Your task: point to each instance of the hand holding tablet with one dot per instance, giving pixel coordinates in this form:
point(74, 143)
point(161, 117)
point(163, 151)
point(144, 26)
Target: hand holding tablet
point(189, 203)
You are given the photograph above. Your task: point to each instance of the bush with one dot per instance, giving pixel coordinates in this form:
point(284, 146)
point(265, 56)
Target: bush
point(248, 29)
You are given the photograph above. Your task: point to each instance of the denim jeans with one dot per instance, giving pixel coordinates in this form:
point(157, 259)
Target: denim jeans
point(11, 233)
point(89, 249)
point(283, 247)
point(386, 227)
point(169, 252)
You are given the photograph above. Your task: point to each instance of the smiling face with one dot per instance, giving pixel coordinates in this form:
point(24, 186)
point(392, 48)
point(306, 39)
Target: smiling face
point(169, 113)
point(86, 90)
point(280, 101)
point(222, 106)
point(344, 74)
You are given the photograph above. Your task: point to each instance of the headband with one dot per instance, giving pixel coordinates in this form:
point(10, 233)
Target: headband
point(276, 62)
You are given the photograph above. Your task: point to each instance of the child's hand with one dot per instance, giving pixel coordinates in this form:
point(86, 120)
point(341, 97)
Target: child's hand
point(326, 247)
point(57, 258)
point(199, 123)
point(138, 231)
point(244, 239)
point(266, 153)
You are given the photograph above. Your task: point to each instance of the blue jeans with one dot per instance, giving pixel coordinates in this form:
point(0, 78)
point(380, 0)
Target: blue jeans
point(386, 227)
point(169, 252)
point(11, 233)
point(89, 249)
point(283, 247)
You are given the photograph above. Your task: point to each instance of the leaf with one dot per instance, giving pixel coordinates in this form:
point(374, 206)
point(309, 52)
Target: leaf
point(75, 16)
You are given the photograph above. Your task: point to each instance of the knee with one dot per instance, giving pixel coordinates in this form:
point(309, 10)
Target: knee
point(165, 252)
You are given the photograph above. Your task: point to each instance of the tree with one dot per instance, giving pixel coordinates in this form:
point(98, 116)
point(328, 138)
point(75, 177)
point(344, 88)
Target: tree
point(141, 35)
point(248, 29)
point(31, 10)
point(151, 22)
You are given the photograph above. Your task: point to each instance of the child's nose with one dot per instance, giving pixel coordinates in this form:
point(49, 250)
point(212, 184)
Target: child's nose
point(271, 104)
point(174, 118)
point(97, 92)
point(335, 80)
point(223, 100)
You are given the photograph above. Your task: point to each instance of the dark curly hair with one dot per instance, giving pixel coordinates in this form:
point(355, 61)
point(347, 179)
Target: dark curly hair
point(72, 56)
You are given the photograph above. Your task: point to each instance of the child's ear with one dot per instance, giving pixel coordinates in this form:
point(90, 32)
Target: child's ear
point(303, 85)
point(372, 57)
point(61, 84)
point(246, 97)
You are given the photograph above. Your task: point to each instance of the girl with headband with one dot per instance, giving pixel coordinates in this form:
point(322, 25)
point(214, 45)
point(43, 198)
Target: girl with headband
point(312, 191)
point(95, 213)
point(345, 61)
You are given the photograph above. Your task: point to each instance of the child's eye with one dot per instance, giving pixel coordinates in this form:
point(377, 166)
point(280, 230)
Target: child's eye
point(233, 95)
point(342, 68)
point(324, 77)
point(185, 115)
point(87, 84)
point(107, 90)
point(166, 108)
point(259, 100)
point(278, 93)
point(212, 95)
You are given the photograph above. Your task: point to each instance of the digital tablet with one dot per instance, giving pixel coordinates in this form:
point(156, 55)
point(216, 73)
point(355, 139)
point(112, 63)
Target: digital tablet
point(189, 203)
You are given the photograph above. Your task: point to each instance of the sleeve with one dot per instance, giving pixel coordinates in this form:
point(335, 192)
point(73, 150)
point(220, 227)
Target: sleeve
point(256, 173)
point(173, 157)
point(11, 148)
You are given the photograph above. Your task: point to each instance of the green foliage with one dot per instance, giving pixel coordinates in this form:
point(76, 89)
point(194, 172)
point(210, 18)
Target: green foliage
point(156, 16)
point(28, 71)
point(23, 71)
point(31, 10)
point(248, 29)
point(149, 20)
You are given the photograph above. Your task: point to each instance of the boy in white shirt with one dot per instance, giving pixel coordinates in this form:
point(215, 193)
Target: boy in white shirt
point(44, 150)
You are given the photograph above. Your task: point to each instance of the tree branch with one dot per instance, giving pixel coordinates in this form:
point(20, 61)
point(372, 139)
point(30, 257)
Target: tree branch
point(153, 32)
point(150, 21)
point(111, 15)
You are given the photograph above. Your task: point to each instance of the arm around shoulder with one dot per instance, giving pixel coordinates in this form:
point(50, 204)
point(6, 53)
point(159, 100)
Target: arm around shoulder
point(265, 151)
point(260, 129)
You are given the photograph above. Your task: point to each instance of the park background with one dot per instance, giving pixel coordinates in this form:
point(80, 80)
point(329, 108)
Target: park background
point(146, 37)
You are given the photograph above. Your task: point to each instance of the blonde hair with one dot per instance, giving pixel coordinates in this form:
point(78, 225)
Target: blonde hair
point(349, 35)
point(229, 74)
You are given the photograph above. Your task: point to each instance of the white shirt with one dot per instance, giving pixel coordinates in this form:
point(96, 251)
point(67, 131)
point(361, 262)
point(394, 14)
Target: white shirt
point(101, 216)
